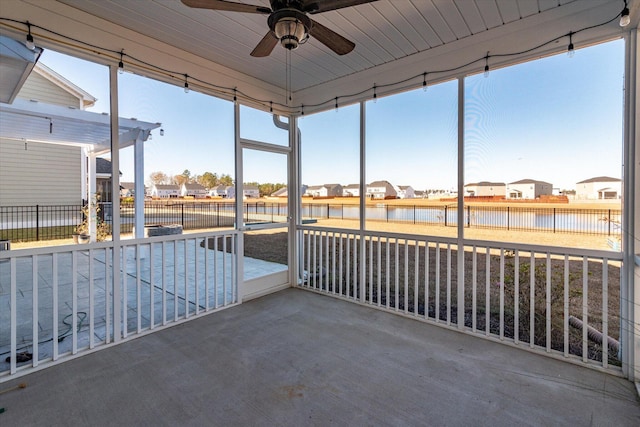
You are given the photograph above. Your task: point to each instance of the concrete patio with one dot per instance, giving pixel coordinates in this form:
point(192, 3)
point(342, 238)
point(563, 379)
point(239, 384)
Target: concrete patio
point(297, 358)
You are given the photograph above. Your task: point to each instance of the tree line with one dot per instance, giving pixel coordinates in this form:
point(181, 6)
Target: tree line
point(208, 180)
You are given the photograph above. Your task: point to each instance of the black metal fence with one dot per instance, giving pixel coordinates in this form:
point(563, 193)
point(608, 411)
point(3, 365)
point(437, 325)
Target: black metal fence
point(29, 223)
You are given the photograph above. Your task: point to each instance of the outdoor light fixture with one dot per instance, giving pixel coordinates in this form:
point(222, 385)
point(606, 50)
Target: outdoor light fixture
point(29, 43)
point(121, 64)
point(570, 50)
point(625, 19)
point(161, 132)
point(186, 84)
point(486, 66)
point(424, 82)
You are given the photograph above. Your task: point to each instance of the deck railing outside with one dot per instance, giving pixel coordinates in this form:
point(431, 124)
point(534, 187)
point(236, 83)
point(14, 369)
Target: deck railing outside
point(29, 223)
point(560, 301)
point(58, 302)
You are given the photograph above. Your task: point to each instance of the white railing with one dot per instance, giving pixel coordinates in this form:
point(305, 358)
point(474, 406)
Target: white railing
point(568, 307)
point(60, 302)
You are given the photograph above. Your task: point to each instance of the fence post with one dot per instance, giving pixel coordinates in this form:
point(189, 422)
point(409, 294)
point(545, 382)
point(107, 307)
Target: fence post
point(554, 220)
point(508, 217)
point(468, 216)
point(386, 207)
point(182, 214)
point(609, 224)
point(445, 216)
point(37, 222)
point(327, 210)
point(342, 211)
point(414, 214)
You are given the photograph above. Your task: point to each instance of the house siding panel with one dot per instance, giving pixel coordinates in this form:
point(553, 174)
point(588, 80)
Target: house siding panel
point(38, 88)
point(28, 177)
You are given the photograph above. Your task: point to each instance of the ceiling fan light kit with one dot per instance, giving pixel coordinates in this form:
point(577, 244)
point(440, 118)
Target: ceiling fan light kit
point(288, 22)
point(290, 27)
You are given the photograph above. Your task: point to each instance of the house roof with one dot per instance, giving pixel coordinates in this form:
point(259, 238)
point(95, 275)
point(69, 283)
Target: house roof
point(485, 184)
point(167, 187)
point(404, 187)
point(600, 179)
point(281, 192)
point(128, 185)
point(351, 186)
point(529, 181)
point(193, 186)
point(103, 166)
point(250, 187)
point(380, 184)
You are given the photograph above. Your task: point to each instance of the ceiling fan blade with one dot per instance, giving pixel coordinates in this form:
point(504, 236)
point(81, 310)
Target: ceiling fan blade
point(319, 6)
point(226, 6)
point(266, 45)
point(331, 39)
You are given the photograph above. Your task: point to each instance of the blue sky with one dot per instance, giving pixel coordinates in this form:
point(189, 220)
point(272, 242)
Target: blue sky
point(557, 119)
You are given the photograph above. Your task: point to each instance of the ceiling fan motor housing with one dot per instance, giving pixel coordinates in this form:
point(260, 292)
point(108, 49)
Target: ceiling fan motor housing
point(290, 26)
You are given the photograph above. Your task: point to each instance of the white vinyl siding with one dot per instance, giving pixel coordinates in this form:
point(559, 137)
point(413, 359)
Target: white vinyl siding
point(43, 174)
point(38, 88)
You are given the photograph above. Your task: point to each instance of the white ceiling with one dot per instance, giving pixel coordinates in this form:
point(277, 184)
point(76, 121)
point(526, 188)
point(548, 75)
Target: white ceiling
point(395, 40)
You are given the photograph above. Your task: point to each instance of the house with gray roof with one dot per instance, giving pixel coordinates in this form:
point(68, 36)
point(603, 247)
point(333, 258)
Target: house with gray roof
point(381, 190)
point(485, 189)
point(599, 188)
point(351, 190)
point(165, 191)
point(193, 189)
point(528, 189)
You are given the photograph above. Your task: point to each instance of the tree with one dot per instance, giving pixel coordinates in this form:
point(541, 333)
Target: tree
point(208, 180)
point(226, 179)
point(158, 178)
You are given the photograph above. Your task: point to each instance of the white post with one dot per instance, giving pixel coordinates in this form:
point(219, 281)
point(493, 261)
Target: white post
point(460, 252)
point(115, 215)
point(239, 190)
point(138, 155)
point(630, 294)
point(363, 200)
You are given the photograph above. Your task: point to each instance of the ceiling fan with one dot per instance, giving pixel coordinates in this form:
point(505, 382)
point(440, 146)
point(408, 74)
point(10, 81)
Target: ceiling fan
point(288, 22)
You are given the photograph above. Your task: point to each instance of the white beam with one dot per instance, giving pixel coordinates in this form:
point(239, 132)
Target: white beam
point(138, 156)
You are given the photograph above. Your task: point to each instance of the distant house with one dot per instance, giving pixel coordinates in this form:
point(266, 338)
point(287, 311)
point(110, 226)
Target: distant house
point(485, 188)
point(599, 188)
point(351, 190)
point(127, 189)
point(193, 189)
point(163, 191)
point(326, 190)
point(420, 194)
point(283, 192)
point(528, 189)
point(381, 190)
point(251, 192)
point(405, 192)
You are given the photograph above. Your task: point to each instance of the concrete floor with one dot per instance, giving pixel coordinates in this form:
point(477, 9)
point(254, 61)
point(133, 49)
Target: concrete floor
point(296, 358)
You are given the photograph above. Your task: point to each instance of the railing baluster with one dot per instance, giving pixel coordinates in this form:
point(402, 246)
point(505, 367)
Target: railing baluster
point(426, 280)
point(416, 270)
point(55, 309)
point(34, 323)
point(532, 299)
point(502, 285)
point(396, 282)
point(548, 303)
point(585, 308)
point(164, 284)
point(437, 285)
point(565, 307)
point(387, 274)
point(340, 267)
point(379, 281)
point(74, 302)
point(406, 276)
point(516, 297)
point(138, 254)
point(474, 289)
point(152, 286)
point(448, 284)
point(14, 316)
point(196, 278)
point(185, 256)
point(605, 313)
point(487, 293)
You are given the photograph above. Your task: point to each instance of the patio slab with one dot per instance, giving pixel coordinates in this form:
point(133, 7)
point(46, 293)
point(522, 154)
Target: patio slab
point(298, 358)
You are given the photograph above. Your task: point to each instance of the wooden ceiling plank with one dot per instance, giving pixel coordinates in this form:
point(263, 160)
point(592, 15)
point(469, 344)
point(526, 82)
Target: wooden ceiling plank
point(490, 13)
point(453, 18)
point(471, 15)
